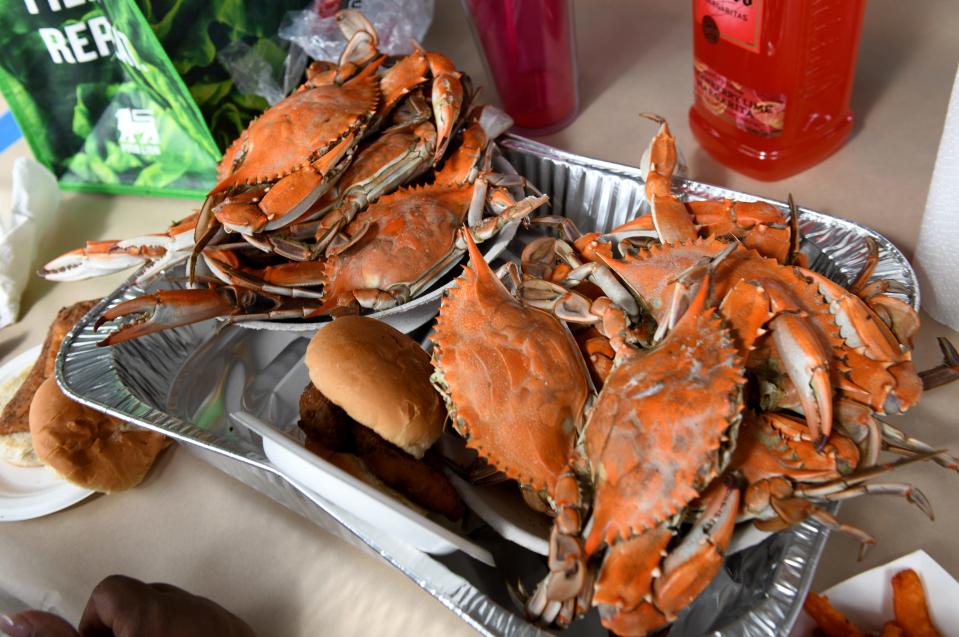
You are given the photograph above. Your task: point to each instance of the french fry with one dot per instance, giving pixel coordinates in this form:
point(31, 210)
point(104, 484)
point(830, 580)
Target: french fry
point(892, 629)
point(909, 604)
point(830, 621)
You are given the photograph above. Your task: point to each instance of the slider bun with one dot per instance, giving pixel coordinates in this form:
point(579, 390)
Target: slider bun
point(89, 448)
point(381, 378)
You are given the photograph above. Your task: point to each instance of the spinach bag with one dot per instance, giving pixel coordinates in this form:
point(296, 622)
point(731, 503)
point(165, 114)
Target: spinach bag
point(102, 104)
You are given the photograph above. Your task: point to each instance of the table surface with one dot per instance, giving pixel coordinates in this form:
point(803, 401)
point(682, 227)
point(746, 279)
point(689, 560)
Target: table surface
point(193, 526)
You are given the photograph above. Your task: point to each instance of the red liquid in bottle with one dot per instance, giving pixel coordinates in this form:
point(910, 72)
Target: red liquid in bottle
point(528, 46)
point(773, 80)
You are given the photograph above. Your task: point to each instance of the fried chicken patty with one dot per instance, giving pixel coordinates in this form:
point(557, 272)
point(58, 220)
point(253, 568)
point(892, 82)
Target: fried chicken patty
point(422, 481)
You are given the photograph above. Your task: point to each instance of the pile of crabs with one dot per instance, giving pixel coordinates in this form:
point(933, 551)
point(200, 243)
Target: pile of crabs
point(348, 195)
point(653, 386)
point(649, 387)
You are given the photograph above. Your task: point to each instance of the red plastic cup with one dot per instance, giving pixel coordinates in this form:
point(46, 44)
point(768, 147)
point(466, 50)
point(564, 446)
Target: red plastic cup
point(530, 52)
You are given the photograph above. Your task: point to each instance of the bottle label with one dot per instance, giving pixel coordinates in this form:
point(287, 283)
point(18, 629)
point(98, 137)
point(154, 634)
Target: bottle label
point(736, 21)
point(745, 108)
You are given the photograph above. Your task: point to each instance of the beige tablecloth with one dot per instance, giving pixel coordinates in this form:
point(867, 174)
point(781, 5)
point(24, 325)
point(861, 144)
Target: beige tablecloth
point(193, 526)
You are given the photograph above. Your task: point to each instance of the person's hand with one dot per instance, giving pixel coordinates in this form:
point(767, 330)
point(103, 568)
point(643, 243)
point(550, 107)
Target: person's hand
point(121, 606)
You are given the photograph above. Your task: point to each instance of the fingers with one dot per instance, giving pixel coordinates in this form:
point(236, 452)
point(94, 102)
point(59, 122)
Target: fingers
point(116, 603)
point(121, 606)
point(35, 623)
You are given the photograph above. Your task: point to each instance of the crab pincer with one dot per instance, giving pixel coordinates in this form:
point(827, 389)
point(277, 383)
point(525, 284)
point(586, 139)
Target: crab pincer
point(166, 309)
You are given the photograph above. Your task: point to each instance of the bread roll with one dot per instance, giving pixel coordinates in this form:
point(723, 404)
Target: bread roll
point(89, 448)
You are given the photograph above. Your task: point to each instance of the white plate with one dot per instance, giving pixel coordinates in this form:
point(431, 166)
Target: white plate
point(32, 492)
point(866, 599)
point(347, 492)
point(502, 507)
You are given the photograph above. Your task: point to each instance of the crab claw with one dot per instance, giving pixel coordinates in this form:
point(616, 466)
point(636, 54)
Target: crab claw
point(169, 308)
point(98, 258)
point(446, 98)
point(808, 368)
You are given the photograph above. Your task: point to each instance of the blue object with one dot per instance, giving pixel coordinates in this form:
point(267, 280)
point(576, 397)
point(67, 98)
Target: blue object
point(9, 131)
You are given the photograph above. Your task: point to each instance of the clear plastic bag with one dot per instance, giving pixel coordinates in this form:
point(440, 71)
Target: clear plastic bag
point(398, 23)
point(314, 34)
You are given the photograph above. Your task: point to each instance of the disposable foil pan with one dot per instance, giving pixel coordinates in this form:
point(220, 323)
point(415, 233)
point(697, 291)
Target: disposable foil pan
point(758, 593)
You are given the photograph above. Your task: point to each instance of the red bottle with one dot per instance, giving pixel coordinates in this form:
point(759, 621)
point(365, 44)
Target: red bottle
point(773, 80)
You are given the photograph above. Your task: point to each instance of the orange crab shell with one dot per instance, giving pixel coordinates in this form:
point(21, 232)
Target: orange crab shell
point(299, 129)
point(784, 288)
point(515, 382)
point(410, 230)
point(655, 436)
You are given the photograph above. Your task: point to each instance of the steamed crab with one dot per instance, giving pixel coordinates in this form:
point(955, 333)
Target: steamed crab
point(290, 156)
point(394, 250)
point(285, 167)
point(816, 348)
point(645, 434)
point(658, 467)
point(314, 213)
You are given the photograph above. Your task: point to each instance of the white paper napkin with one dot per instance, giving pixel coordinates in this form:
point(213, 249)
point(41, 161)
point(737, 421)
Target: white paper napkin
point(35, 199)
point(937, 256)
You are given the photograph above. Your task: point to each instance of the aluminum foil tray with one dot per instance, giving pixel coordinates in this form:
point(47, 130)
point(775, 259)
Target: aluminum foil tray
point(758, 593)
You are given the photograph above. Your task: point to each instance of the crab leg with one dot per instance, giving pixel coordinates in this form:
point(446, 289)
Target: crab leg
point(362, 39)
point(294, 194)
point(911, 493)
point(411, 111)
point(669, 215)
point(207, 227)
point(240, 211)
point(857, 421)
point(638, 590)
point(567, 578)
point(279, 280)
point(671, 219)
point(660, 159)
point(538, 258)
point(412, 159)
point(898, 441)
point(402, 78)
point(599, 274)
point(285, 246)
point(791, 511)
point(173, 308)
point(898, 315)
point(488, 228)
point(778, 503)
point(872, 260)
point(947, 371)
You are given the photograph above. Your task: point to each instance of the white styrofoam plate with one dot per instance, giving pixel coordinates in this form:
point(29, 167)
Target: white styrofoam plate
point(866, 599)
point(502, 507)
point(349, 493)
point(32, 492)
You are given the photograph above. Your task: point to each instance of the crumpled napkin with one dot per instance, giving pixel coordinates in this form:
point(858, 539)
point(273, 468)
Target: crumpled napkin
point(35, 200)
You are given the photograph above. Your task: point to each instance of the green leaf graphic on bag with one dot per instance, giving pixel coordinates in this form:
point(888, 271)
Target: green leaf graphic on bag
point(100, 89)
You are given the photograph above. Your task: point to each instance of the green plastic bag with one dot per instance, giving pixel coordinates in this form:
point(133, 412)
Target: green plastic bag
point(126, 96)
